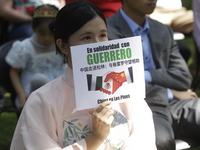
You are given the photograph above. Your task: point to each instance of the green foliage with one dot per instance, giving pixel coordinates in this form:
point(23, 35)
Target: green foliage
point(187, 4)
point(8, 123)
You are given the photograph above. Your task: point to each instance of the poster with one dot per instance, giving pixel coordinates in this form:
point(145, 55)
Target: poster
point(108, 71)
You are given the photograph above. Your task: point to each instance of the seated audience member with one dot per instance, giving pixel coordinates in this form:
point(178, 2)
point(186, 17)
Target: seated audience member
point(19, 15)
point(196, 31)
point(108, 7)
point(50, 120)
point(33, 61)
point(175, 109)
point(172, 13)
point(196, 36)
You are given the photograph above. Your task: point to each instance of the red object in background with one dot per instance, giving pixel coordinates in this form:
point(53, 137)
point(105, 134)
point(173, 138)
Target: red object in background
point(108, 7)
point(29, 10)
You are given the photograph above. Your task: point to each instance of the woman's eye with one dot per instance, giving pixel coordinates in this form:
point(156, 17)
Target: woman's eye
point(87, 38)
point(103, 35)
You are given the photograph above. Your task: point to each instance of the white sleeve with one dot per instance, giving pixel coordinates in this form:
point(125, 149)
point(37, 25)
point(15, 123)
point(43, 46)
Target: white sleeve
point(32, 139)
point(143, 131)
point(37, 129)
point(17, 56)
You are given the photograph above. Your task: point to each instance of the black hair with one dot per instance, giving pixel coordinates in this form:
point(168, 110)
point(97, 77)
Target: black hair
point(71, 18)
point(38, 20)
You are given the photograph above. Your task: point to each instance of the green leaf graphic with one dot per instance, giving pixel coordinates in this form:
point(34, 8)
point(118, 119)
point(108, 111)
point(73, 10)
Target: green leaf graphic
point(66, 135)
point(85, 128)
point(75, 134)
point(77, 128)
point(70, 123)
point(86, 133)
point(74, 120)
point(70, 130)
point(63, 124)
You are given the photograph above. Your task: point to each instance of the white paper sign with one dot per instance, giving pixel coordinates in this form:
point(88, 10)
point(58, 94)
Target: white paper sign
point(108, 71)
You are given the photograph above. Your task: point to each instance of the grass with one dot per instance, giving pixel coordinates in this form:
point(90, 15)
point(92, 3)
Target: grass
point(8, 122)
point(189, 41)
point(187, 3)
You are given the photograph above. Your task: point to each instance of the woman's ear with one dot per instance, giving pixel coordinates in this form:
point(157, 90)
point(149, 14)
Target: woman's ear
point(62, 46)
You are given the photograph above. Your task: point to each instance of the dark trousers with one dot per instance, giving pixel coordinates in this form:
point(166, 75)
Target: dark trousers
point(186, 118)
point(163, 128)
point(180, 121)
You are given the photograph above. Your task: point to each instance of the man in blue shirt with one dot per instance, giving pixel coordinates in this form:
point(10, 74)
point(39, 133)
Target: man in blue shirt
point(167, 76)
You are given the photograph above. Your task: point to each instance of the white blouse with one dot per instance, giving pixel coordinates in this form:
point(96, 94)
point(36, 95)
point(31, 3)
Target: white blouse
point(49, 120)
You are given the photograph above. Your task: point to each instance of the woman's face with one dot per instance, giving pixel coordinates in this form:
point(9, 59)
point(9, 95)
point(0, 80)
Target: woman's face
point(93, 31)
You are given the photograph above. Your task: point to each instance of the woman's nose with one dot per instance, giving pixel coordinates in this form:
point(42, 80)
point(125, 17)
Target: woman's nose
point(96, 40)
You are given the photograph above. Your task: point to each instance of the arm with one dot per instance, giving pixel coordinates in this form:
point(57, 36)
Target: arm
point(196, 32)
point(40, 124)
point(10, 14)
point(141, 124)
point(102, 119)
point(172, 71)
point(156, 95)
point(15, 79)
point(184, 95)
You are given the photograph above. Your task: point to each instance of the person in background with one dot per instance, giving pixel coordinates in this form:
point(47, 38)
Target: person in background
point(108, 7)
point(172, 13)
point(179, 18)
point(18, 13)
point(33, 61)
point(50, 120)
point(175, 109)
point(196, 31)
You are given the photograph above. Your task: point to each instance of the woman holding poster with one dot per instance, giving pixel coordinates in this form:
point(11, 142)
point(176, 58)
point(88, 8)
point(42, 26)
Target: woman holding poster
point(50, 120)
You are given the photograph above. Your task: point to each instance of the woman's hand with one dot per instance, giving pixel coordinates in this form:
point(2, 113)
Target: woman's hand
point(102, 118)
point(183, 95)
